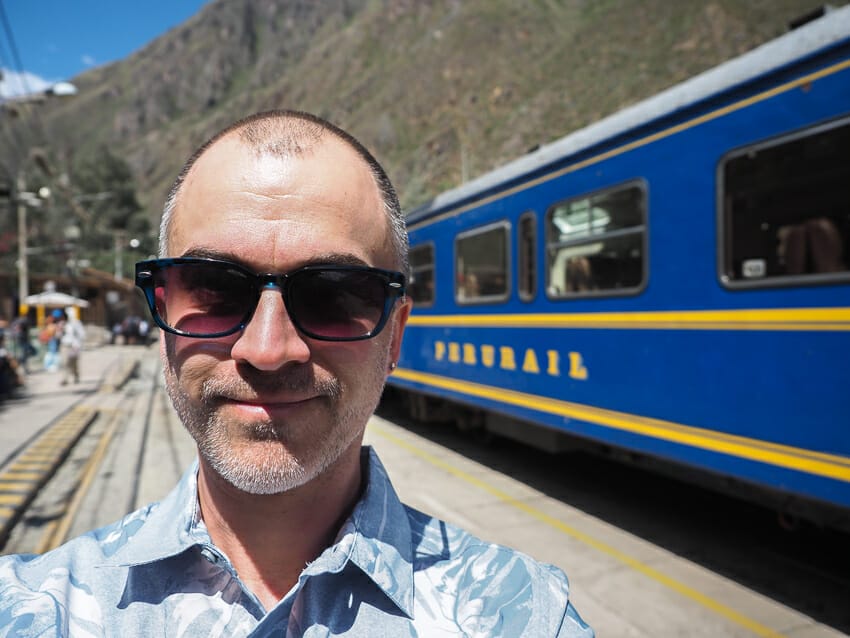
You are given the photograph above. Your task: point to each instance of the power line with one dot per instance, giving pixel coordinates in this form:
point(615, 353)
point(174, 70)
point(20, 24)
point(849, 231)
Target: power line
point(16, 58)
point(3, 64)
point(3, 57)
point(31, 122)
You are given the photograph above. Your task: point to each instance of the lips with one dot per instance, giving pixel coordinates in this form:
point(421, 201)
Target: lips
point(289, 400)
point(267, 406)
point(251, 392)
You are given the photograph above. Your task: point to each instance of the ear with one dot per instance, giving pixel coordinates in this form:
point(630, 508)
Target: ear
point(399, 321)
point(163, 347)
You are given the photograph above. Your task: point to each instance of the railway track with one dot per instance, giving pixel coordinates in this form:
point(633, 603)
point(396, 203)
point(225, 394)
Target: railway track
point(41, 480)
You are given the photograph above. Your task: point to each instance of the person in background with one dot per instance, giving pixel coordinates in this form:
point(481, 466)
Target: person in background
point(49, 337)
point(23, 348)
point(281, 300)
point(10, 372)
point(144, 332)
point(71, 345)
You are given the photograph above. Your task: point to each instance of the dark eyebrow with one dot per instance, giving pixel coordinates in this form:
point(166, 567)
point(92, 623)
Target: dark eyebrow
point(338, 259)
point(205, 253)
point(331, 259)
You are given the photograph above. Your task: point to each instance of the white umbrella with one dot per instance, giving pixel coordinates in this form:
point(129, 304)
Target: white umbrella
point(55, 299)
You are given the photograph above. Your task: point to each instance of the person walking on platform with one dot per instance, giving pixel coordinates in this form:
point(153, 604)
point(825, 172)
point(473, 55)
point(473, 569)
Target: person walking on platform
point(73, 334)
point(280, 295)
point(49, 337)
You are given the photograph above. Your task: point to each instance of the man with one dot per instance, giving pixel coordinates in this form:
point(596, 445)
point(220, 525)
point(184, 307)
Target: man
point(285, 526)
point(71, 344)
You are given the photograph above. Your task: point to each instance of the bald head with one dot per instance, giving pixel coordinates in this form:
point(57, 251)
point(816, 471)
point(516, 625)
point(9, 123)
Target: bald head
point(293, 134)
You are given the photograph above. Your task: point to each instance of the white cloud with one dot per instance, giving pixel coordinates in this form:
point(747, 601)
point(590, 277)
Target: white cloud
point(14, 84)
point(88, 60)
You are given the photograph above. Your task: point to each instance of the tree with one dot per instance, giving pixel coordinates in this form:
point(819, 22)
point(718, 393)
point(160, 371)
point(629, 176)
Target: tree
point(91, 214)
point(107, 207)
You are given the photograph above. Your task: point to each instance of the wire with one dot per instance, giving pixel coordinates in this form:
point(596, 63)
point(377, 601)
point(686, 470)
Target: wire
point(3, 57)
point(4, 66)
point(14, 48)
point(32, 124)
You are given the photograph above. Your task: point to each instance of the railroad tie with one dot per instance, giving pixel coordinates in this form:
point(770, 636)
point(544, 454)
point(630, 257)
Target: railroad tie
point(21, 480)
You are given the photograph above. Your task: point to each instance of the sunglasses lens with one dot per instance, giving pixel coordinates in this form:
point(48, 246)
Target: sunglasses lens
point(203, 299)
point(337, 304)
point(210, 299)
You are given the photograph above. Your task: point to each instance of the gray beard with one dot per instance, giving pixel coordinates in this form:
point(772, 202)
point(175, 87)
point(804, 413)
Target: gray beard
point(272, 468)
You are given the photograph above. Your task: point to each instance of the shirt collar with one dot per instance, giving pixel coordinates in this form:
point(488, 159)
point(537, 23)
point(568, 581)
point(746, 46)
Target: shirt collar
point(380, 536)
point(161, 530)
point(376, 537)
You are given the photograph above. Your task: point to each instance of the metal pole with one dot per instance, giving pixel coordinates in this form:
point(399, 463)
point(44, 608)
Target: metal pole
point(23, 268)
point(119, 255)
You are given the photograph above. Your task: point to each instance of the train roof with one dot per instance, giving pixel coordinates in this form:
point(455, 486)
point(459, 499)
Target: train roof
point(831, 28)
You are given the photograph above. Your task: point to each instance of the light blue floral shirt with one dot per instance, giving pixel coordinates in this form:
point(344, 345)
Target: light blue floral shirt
point(392, 572)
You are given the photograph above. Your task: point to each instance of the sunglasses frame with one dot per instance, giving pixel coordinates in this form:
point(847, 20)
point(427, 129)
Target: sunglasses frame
point(145, 280)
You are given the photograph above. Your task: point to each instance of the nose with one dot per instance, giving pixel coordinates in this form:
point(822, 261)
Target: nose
point(270, 340)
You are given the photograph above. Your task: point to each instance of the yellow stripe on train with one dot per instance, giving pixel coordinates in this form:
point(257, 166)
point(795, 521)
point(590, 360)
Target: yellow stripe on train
point(792, 319)
point(812, 462)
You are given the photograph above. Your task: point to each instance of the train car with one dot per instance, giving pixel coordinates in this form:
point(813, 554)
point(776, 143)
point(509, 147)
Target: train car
point(670, 285)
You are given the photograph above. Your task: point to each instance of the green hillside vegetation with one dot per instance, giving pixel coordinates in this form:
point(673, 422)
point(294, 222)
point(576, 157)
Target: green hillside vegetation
point(440, 90)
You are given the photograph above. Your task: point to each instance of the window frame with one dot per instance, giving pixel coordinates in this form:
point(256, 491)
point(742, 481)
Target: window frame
point(724, 256)
point(642, 229)
point(484, 299)
point(527, 253)
point(425, 244)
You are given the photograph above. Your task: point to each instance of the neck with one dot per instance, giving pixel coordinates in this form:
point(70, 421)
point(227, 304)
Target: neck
point(271, 538)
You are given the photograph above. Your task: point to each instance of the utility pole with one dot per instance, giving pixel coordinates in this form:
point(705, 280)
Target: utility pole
point(118, 238)
point(15, 107)
point(24, 198)
point(23, 268)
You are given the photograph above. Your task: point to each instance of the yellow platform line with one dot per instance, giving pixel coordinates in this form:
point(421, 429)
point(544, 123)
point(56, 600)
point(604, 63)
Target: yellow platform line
point(659, 577)
point(32, 467)
point(37, 460)
point(13, 486)
point(20, 476)
point(12, 499)
point(57, 530)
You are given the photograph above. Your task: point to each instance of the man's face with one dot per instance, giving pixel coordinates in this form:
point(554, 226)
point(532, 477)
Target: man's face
point(269, 408)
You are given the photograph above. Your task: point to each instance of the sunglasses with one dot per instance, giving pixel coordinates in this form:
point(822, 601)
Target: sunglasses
point(208, 298)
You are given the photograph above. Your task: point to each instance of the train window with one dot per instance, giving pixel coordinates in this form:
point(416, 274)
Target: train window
point(527, 260)
point(786, 210)
point(481, 265)
point(595, 243)
point(421, 287)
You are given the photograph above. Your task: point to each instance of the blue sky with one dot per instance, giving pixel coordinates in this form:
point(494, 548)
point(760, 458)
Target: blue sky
point(58, 39)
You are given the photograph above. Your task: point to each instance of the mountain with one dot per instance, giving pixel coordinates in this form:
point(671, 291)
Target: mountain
point(440, 90)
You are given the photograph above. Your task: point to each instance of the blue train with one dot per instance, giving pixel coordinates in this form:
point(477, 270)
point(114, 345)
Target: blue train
point(670, 285)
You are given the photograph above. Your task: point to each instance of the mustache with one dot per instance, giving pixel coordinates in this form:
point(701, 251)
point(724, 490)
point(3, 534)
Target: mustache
point(249, 383)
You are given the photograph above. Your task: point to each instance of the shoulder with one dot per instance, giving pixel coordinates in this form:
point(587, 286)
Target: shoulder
point(76, 588)
point(68, 576)
point(438, 542)
point(68, 589)
point(38, 594)
point(488, 588)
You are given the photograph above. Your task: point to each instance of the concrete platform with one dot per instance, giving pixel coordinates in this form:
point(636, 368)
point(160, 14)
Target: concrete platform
point(622, 584)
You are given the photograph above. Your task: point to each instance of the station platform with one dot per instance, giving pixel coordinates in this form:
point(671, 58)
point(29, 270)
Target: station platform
point(134, 450)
